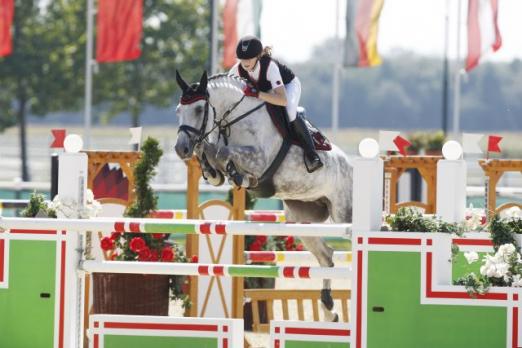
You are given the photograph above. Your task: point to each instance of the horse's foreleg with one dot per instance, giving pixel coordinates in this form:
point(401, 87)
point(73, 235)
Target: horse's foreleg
point(324, 255)
point(241, 163)
point(209, 167)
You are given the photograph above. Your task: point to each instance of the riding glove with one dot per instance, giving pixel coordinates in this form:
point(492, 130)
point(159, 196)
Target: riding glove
point(251, 91)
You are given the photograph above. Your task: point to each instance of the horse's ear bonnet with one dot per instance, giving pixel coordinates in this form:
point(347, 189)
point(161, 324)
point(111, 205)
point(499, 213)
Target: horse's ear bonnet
point(195, 91)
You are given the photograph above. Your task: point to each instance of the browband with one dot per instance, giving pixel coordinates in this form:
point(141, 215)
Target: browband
point(192, 99)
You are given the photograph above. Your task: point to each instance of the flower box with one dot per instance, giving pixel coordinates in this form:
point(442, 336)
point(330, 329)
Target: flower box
point(138, 294)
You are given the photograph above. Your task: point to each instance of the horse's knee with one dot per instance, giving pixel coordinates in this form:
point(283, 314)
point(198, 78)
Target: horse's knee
point(223, 154)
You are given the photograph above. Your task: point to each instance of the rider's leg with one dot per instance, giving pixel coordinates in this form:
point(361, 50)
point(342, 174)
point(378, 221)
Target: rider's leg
point(293, 94)
point(301, 130)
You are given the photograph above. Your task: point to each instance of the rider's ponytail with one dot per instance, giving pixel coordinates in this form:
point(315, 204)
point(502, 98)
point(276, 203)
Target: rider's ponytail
point(267, 51)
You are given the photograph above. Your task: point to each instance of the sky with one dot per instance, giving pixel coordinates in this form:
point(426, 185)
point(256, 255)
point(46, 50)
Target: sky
point(294, 27)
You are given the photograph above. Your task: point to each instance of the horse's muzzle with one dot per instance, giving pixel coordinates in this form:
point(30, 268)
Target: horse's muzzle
point(184, 147)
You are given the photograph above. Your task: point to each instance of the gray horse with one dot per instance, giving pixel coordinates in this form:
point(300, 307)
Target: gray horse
point(234, 135)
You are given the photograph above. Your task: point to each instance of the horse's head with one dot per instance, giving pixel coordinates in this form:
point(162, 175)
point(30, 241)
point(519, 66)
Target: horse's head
point(193, 112)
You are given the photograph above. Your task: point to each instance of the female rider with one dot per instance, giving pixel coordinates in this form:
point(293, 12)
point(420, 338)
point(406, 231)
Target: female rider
point(276, 84)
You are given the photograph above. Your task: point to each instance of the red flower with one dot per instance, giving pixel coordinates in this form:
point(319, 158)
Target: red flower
point(158, 235)
point(255, 246)
point(289, 243)
point(261, 239)
point(114, 256)
point(154, 256)
point(116, 235)
point(136, 244)
point(194, 259)
point(185, 288)
point(299, 247)
point(144, 254)
point(107, 243)
point(167, 254)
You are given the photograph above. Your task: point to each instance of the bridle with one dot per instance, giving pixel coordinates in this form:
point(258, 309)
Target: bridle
point(192, 131)
point(222, 125)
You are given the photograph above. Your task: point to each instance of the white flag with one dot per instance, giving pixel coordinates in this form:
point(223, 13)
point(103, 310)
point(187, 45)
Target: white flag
point(386, 140)
point(470, 142)
point(135, 135)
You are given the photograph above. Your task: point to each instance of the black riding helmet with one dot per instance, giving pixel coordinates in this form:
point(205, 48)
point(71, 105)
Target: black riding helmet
point(249, 47)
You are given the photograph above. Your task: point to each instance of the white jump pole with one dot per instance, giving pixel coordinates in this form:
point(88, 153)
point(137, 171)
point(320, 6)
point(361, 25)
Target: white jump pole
point(367, 188)
point(216, 270)
point(451, 184)
point(203, 227)
point(292, 256)
point(72, 186)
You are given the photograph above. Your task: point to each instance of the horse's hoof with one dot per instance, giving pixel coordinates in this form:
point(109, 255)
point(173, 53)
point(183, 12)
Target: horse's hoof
point(216, 180)
point(326, 299)
point(252, 181)
point(336, 318)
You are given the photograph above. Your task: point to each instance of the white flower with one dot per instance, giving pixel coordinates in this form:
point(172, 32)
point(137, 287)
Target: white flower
point(511, 213)
point(505, 251)
point(474, 219)
point(70, 209)
point(517, 281)
point(494, 267)
point(471, 256)
point(89, 196)
point(502, 269)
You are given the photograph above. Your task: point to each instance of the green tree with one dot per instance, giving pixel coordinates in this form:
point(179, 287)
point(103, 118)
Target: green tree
point(39, 76)
point(175, 36)
point(46, 71)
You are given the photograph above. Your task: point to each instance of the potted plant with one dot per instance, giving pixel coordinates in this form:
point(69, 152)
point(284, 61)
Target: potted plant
point(504, 268)
point(38, 207)
point(434, 143)
point(137, 293)
point(418, 142)
point(411, 219)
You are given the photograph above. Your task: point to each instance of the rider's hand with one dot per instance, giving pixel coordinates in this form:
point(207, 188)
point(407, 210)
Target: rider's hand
point(250, 91)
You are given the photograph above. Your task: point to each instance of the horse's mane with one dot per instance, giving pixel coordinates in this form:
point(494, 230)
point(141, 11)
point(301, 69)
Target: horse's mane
point(224, 80)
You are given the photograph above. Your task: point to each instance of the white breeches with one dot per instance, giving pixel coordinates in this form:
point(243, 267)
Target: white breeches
point(293, 94)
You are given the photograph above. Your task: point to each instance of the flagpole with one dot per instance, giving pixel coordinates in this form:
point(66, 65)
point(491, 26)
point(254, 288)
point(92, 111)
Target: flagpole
point(214, 13)
point(456, 100)
point(445, 72)
point(335, 76)
point(88, 75)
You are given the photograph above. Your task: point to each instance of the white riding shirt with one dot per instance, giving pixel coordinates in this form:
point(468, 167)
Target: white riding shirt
point(273, 75)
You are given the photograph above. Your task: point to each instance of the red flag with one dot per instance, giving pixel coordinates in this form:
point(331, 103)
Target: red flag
point(119, 30)
point(6, 21)
point(493, 141)
point(59, 137)
point(483, 32)
point(230, 33)
point(401, 144)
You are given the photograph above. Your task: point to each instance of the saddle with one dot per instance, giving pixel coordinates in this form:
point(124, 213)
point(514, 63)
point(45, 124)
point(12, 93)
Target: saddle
point(279, 117)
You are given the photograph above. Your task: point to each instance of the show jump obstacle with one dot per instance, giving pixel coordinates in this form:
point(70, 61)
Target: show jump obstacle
point(494, 169)
point(402, 292)
point(395, 166)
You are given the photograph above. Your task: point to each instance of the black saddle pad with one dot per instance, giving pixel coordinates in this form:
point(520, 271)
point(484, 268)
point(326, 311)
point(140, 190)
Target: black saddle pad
point(279, 117)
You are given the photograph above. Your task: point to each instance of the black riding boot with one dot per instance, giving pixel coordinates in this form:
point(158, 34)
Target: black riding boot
point(313, 161)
